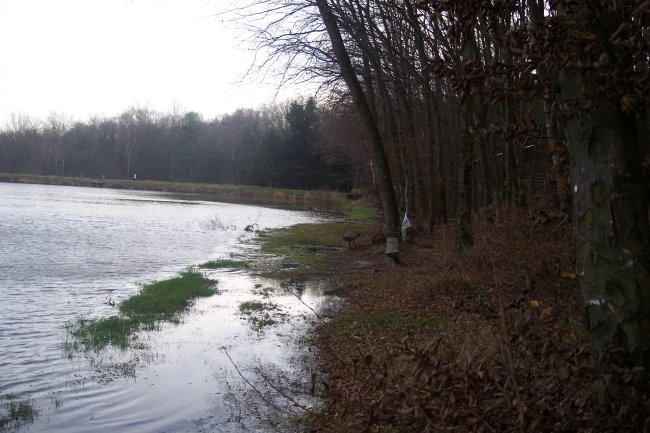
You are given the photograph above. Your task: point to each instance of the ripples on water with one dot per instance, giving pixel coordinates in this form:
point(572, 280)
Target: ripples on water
point(66, 251)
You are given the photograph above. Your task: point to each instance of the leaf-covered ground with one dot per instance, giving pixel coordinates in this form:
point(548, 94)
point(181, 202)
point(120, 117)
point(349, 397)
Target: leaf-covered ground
point(490, 340)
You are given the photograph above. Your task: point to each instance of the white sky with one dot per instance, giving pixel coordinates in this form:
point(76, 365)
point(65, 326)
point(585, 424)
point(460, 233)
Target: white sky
point(99, 57)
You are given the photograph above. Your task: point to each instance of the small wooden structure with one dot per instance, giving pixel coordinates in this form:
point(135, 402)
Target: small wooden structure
point(349, 238)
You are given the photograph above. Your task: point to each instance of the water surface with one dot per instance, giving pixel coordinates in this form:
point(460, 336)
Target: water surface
point(67, 252)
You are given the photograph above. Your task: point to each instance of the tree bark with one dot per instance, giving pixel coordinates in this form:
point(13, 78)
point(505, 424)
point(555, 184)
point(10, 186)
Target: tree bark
point(470, 110)
point(464, 237)
point(611, 229)
point(380, 163)
point(610, 213)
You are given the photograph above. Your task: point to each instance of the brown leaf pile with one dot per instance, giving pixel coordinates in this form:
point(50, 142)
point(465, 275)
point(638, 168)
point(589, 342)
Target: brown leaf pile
point(506, 351)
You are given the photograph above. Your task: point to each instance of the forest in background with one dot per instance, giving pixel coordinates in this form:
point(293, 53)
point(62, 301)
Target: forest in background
point(297, 145)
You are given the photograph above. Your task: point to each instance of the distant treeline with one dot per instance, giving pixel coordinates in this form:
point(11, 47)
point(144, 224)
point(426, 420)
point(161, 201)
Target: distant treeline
point(294, 145)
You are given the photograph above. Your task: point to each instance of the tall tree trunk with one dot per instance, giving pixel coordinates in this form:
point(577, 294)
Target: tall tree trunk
point(380, 164)
point(431, 187)
point(440, 198)
point(556, 147)
point(464, 237)
point(560, 159)
point(611, 229)
point(512, 182)
point(470, 114)
point(488, 181)
point(610, 210)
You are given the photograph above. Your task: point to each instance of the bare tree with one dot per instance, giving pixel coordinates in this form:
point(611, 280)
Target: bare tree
point(380, 164)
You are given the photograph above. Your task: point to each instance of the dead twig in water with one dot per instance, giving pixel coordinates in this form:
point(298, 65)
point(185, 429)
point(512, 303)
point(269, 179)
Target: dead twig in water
point(281, 392)
point(305, 304)
point(252, 386)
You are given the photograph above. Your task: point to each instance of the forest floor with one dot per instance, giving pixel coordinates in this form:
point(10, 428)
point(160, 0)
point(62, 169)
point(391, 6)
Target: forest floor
point(487, 340)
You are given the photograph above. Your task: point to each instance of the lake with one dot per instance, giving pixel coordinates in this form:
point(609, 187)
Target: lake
point(68, 253)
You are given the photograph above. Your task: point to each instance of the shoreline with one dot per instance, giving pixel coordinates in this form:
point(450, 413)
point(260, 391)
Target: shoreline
point(241, 194)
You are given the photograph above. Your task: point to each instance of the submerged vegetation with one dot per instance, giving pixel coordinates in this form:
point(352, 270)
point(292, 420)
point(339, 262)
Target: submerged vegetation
point(157, 301)
point(16, 412)
point(260, 314)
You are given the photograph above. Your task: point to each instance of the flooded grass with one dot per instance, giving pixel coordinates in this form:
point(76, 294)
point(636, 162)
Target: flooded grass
point(250, 307)
point(264, 291)
point(96, 334)
point(225, 263)
point(164, 300)
point(17, 413)
point(260, 314)
point(303, 247)
point(157, 301)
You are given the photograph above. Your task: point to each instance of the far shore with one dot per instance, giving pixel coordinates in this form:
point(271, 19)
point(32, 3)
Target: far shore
point(246, 194)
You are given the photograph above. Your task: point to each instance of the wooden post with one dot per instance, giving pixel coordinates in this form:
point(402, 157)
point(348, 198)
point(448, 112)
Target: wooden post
point(392, 249)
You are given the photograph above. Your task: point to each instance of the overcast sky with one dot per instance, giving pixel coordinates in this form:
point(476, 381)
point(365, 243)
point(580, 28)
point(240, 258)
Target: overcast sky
point(99, 57)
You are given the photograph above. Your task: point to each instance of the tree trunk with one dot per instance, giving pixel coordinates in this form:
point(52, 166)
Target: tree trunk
point(464, 237)
point(610, 215)
point(611, 229)
point(560, 159)
point(380, 164)
point(470, 113)
point(556, 147)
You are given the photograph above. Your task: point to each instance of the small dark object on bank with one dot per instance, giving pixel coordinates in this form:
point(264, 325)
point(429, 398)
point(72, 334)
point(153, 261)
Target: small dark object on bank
point(349, 239)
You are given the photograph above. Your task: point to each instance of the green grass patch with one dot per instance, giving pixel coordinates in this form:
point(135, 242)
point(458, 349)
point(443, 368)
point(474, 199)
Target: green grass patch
point(164, 300)
point(361, 214)
point(317, 235)
point(376, 322)
point(302, 247)
point(157, 301)
point(225, 263)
